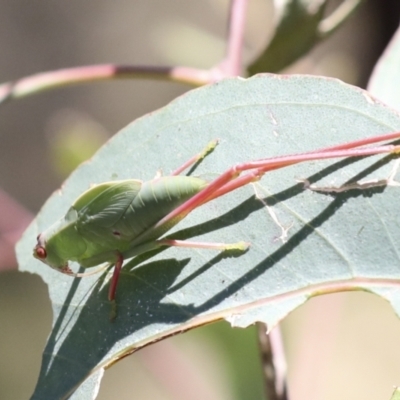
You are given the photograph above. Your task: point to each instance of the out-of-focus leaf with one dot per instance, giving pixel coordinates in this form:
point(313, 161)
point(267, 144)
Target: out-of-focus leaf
point(300, 25)
point(396, 394)
point(385, 79)
point(73, 138)
point(345, 241)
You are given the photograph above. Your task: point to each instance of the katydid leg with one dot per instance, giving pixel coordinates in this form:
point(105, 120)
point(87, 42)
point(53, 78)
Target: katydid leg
point(257, 174)
point(231, 178)
point(240, 246)
point(198, 157)
point(243, 180)
point(348, 145)
point(362, 142)
point(115, 277)
point(83, 274)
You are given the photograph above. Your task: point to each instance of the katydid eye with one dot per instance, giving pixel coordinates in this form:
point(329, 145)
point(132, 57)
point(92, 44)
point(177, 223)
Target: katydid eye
point(40, 252)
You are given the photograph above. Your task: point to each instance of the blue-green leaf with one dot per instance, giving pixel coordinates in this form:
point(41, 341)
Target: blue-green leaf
point(303, 243)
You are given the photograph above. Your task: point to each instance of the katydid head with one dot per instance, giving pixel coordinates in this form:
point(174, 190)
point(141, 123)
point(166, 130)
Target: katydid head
point(48, 256)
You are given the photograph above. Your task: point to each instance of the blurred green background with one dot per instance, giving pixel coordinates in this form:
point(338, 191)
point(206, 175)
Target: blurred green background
point(338, 346)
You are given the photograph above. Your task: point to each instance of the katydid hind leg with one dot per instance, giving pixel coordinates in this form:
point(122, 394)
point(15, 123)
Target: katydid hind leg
point(232, 179)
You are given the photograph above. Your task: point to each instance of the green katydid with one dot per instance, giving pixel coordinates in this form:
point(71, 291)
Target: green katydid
point(117, 220)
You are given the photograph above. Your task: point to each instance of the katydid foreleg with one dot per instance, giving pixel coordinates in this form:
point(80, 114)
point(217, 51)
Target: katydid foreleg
point(197, 158)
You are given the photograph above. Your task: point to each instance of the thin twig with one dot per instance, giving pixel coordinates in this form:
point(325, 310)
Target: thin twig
point(232, 64)
point(71, 76)
point(273, 362)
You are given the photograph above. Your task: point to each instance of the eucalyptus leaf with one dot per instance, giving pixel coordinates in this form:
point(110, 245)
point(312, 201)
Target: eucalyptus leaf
point(303, 243)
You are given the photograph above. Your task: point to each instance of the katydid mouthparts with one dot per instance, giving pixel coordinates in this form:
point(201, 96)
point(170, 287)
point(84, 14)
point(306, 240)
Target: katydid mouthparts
point(117, 220)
